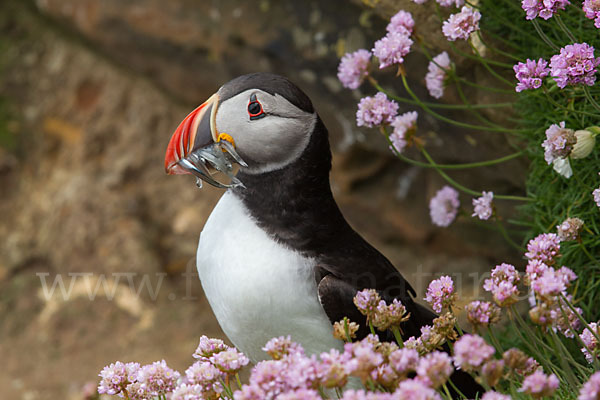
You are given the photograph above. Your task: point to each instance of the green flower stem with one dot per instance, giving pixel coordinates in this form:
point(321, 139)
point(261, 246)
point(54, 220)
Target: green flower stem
point(556, 104)
point(457, 390)
point(579, 317)
point(463, 188)
point(475, 112)
point(562, 26)
point(238, 380)
point(580, 341)
point(518, 9)
point(543, 36)
point(588, 95)
point(448, 120)
point(446, 391)
point(227, 389)
point(567, 371)
point(397, 336)
point(506, 237)
point(371, 328)
point(497, 51)
point(494, 340)
point(487, 64)
point(458, 166)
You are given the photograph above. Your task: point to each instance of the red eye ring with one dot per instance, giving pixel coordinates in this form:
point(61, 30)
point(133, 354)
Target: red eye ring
point(255, 109)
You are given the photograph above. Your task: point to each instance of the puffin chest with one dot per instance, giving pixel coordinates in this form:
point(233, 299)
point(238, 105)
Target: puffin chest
point(257, 287)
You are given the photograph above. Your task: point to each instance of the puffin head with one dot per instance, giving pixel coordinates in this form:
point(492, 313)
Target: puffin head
point(261, 121)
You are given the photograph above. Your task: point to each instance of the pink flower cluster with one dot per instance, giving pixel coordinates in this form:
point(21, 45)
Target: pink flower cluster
point(539, 384)
point(461, 25)
point(591, 389)
point(482, 206)
point(151, 380)
point(353, 68)
point(482, 313)
point(376, 110)
point(574, 65)
point(543, 8)
point(559, 142)
point(404, 125)
point(440, 293)
point(592, 11)
point(436, 74)
point(443, 207)
point(503, 284)
point(544, 247)
point(591, 350)
point(471, 352)
point(530, 74)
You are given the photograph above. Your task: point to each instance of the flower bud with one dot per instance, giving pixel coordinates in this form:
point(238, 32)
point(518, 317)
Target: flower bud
point(585, 144)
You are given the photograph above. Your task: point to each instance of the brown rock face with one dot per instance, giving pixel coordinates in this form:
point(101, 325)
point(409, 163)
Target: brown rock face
point(96, 88)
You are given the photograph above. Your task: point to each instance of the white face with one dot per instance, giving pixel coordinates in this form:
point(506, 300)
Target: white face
point(272, 141)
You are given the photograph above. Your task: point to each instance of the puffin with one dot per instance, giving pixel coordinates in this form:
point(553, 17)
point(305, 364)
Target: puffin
point(276, 257)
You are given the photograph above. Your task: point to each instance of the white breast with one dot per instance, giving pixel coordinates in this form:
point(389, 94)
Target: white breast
point(258, 288)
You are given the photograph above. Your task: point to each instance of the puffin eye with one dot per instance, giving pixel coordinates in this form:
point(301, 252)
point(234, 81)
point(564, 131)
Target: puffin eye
point(255, 110)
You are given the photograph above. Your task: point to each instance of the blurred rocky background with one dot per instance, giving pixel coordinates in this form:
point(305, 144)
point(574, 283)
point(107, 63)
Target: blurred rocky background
point(90, 92)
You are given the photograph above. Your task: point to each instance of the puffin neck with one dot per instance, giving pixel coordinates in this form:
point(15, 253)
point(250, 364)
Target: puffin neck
point(294, 204)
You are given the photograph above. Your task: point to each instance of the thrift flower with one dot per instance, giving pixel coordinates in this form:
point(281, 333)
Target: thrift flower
point(574, 65)
point(436, 74)
point(471, 352)
point(590, 341)
point(443, 207)
point(495, 396)
point(207, 376)
point(596, 194)
point(530, 74)
point(552, 282)
point(229, 361)
point(539, 385)
point(462, 24)
point(492, 371)
point(559, 142)
point(434, 369)
point(116, 376)
point(543, 8)
point(402, 23)
point(482, 313)
point(376, 110)
point(386, 316)
point(544, 247)
point(367, 301)
point(188, 392)
point(502, 284)
point(332, 370)
point(158, 378)
point(449, 3)
point(404, 360)
point(208, 347)
point(339, 330)
point(482, 206)
point(413, 389)
point(353, 68)
point(300, 394)
point(519, 362)
point(392, 48)
point(569, 229)
point(591, 389)
point(280, 347)
point(440, 293)
point(592, 11)
point(139, 391)
point(404, 125)
point(364, 358)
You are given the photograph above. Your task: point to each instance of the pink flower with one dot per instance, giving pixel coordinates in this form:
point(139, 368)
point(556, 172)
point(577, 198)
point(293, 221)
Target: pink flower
point(402, 22)
point(482, 206)
point(205, 374)
point(448, 3)
point(443, 207)
point(440, 293)
point(596, 194)
point(207, 347)
point(592, 11)
point(471, 352)
point(544, 247)
point(376, 110)
point(590, 341)
point(404, 360)
point(553, 282)
point(367, 301)
point(413, 389)
point(543, 8)
point(530, 74)
point(158, 378)
point(364, 358)
point(332, 370)
point(386, 316)
point(300, 394)
point(591, 389)
point(403, 125)
point(392, 48)
point(434, 369)
point(353, 68)
point(569, 229)
point(437, 71)
point(495, 396)
point(482, 313)
point(116, 376)
point(559, 142)
point(229, 361)
point(188, 392)
point(576, 64)
point(539, 385)
point(502, 284)
point(462, 24)
point(280, 347)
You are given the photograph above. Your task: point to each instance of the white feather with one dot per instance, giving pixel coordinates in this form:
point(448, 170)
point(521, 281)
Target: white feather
point(258, 288)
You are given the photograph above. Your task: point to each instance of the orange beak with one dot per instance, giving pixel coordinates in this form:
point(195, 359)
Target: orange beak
point(197, 130)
